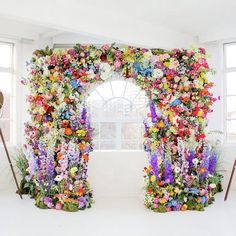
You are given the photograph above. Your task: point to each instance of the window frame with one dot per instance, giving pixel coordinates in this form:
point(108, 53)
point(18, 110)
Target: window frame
point(117, 122)
point(227, 70)
point(12, 71)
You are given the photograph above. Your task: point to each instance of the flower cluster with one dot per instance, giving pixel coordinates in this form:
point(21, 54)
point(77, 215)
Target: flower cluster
point(59, 135)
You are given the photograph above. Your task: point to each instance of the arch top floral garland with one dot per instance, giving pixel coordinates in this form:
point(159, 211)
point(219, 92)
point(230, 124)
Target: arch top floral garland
point(181, 173)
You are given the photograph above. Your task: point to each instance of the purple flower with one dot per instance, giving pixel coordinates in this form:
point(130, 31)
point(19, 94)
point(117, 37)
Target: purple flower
point(48, 202)
point(153, 111)
point(82, 202)
point(168, 172)
point(154, 164)
point(212, 163)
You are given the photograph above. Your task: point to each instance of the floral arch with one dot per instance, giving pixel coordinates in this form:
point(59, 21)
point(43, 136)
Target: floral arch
point(181, 174)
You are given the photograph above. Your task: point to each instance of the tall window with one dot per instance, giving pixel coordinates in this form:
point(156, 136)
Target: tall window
point(230, 92)
point(117, 110)
point(6, 86)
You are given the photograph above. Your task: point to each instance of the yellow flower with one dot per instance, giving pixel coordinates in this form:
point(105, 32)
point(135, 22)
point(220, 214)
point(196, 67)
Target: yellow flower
point(167, 64)
point(81, 133)
point(200, 113)
point(178, 191)
point(153, 146)
point(173, 130)
point(153, 130)
point(166, 86)
point(153, 178)
point(162, 200)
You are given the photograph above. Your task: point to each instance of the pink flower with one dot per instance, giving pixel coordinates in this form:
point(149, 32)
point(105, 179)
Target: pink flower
point(155, 205)
point(105, 47)
point(58, 206)
point(117, 63)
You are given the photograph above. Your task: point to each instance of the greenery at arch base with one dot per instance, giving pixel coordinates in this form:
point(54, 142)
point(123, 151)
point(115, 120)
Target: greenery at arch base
point(181, 174)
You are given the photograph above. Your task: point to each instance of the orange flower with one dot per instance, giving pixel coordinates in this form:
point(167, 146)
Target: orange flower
point(67, 192)
point(81, 146)
point(71, 200)
point(202, 170)
point(81, 192)
point(161, 124)
point(68, 131)
point(59, 156)
point(85, 157)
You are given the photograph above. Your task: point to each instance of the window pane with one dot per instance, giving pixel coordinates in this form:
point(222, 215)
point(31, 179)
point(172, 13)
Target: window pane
point(5, 126)
point(105, 90)
point(231, 107)
point(230, 55)
point(231, 83)
point(131, 131)
point(5, 87)
point(107, 145)
point(5, 55)
point(108, 131)
point(131, 145)
point(118, 88)
point(231, 130)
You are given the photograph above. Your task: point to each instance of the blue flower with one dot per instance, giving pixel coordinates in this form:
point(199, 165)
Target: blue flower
point(176, 102)
point(174, 203)
point(203, 198)
point(74, 84)
point(137, 66)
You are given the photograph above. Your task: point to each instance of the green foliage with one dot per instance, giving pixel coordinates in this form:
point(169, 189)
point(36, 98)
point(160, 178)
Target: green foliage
point(26, 187)
point(70, 206)
point(43, 52)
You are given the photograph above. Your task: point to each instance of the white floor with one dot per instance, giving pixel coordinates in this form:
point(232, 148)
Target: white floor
point(114, 216)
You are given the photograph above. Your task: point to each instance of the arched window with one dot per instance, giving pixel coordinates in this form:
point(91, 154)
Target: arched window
point(117, 109)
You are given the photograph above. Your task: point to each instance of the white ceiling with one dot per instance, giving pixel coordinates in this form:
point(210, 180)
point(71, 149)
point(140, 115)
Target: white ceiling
point(156, 23)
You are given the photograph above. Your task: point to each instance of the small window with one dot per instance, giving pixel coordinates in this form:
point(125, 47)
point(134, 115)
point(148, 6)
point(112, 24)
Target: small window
point(230, 92)
point(6, 86)
point(117, 109)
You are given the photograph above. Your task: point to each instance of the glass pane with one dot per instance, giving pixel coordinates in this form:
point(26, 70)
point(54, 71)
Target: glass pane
point(105, 90)
point(96, 144)
point(5, 87)
point(230, 55)
point(130, 145)
point(231, 107)
point(95, 125)
point(118, 88)
point(5, 55)
point(131, 131)
point(117, 107)
point(107, 130)
point(131, 91)
point(231, 130)
point(5, 126)
point(231, 83)
point(107, 145)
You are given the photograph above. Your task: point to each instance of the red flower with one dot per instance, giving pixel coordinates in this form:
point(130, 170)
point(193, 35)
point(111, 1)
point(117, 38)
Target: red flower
point(103, 57)
point(45, 107)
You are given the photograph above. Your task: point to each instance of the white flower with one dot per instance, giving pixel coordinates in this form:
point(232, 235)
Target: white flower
point(58, 178)
point(177, 79)
point(195, 161)
point(105, 71)
point(157, 73)
point(212, 186)
point(185, 199)
point(91, 74)
point(177, 169)
point(46, 72)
